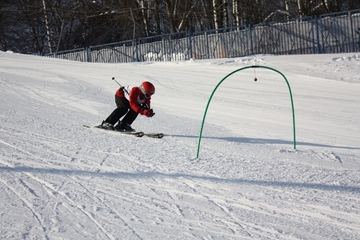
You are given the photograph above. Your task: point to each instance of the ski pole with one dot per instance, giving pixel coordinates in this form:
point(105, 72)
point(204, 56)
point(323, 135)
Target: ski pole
point(122, 87)
point(113, 78)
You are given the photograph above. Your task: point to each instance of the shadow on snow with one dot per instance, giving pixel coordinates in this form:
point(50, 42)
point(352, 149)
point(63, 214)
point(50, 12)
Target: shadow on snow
point(148, 175)
point(265, 141)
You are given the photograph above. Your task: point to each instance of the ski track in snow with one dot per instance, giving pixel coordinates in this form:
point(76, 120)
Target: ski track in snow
point(60, 180)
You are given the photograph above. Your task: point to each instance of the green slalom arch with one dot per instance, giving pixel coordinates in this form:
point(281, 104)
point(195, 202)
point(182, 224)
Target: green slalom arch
point(238, 70)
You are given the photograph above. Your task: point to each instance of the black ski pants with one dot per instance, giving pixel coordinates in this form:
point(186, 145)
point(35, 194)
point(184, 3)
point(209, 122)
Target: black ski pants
point(123, 107)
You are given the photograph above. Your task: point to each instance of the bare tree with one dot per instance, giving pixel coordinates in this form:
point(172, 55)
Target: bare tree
point(43, 26)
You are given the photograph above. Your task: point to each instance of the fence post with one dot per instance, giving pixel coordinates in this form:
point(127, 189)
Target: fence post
point(189, 45)
point(317, 35)
point(251, 39)
point(138, 51)
point(352, 34)
point(207, 46)
point(133, 50)
point(87, 54)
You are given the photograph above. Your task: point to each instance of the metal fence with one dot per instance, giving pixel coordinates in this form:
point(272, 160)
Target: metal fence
point(330, 33)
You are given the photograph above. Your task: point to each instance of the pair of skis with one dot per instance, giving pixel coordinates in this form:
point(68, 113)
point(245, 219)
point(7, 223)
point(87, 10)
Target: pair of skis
point(136, 133)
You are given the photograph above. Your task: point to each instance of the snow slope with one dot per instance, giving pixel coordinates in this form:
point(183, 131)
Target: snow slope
point(60, 180)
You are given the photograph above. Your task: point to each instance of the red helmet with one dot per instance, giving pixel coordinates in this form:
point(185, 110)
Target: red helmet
point(147, 89)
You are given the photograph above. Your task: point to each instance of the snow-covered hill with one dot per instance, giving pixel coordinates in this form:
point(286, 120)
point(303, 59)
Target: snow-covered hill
point(60, 180)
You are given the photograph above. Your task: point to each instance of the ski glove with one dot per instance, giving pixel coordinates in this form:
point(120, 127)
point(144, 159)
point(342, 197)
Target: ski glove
point(148, 112)
point(144, 106)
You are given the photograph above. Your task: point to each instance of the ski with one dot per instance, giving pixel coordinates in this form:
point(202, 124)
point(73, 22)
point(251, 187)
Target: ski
point(136, 133)
point(154, 135)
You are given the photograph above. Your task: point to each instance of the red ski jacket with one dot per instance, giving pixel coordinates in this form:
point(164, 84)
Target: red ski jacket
point(135, 97)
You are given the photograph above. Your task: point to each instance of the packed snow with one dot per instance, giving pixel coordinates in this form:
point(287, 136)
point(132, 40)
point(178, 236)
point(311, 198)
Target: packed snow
point(60, 180)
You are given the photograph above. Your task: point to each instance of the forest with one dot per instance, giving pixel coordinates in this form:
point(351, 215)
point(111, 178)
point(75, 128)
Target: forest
point(47, 26)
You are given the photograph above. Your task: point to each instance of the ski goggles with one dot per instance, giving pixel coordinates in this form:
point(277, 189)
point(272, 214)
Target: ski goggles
point(148, 95)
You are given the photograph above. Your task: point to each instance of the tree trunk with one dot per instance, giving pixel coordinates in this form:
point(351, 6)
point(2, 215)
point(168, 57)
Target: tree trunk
point(47, 26)
point(235, 11)
point(300, 9)
point(215, 15)
point(169, 10)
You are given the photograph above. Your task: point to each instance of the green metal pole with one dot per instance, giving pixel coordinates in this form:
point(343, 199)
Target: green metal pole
point(238, 70)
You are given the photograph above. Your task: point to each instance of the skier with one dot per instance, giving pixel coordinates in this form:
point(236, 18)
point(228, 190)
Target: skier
point(130, 101)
